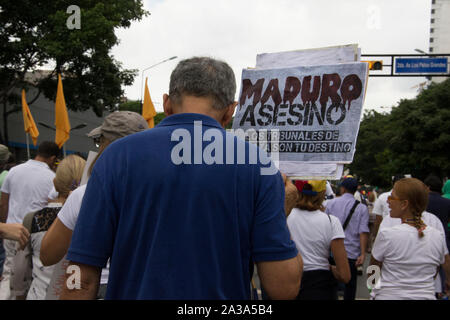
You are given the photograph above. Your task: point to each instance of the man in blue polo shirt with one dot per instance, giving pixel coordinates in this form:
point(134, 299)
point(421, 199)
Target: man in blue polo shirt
point(178, 220)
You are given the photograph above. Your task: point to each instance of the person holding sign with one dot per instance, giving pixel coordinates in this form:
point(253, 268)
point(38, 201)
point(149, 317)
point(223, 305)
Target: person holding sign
point(315, 233)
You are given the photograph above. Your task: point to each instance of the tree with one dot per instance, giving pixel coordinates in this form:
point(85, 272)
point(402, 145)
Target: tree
point(413, 139)
point(35, 34)
point(136, 106)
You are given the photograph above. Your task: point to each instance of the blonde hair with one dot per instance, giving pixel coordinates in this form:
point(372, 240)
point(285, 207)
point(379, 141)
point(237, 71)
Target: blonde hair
point(68, 174)
point(416, 193)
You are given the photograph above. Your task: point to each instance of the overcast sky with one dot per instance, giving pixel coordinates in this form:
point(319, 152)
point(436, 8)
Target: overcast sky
point(237, 30)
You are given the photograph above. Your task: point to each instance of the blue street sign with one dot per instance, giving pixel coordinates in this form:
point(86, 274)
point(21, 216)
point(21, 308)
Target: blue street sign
point(421, 65)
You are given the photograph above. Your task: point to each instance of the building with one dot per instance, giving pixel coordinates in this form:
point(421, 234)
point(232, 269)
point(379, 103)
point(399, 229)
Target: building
point(43, 112)
point(440, 29)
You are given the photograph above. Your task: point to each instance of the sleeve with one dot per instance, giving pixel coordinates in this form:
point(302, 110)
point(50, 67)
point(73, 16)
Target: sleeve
point(364, 220)
point(6, 185)
point(93, 236)
point(380, 246)
point(271, 238)
point(378, 207)
point(438, 225)
point(68, 214)
point(337, 230)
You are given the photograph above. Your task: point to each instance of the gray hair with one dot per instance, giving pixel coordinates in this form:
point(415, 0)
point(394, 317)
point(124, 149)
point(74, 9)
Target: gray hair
point(203, 77)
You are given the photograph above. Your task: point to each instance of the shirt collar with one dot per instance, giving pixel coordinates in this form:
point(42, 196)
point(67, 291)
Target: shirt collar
point(348, 195)
point(189, 118)
point(38, 163)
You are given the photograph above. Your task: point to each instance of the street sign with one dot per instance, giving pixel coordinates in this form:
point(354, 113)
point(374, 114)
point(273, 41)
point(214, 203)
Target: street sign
point(421, 65)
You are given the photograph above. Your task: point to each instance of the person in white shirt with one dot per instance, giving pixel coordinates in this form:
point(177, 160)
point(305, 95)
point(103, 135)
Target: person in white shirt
point(25, 189)
point(430, 220)
point(56, 241)
point(68, 177)
point(316, 234)
point(408, 254)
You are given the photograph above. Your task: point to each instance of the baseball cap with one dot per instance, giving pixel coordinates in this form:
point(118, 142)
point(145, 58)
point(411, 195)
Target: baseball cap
point(350, 184)
point(4, 154)
point(311, 187)
point(119, 124)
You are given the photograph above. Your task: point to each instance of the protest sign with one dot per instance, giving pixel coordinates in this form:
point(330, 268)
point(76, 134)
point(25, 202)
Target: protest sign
point(312, 113)
point(309, 57)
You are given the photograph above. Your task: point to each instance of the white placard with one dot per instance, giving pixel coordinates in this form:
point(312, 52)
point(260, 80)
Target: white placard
point(312, 113)
point(309, 57)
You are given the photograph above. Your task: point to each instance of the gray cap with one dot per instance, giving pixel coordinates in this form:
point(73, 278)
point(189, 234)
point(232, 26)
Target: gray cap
point(120, 124)
point(4, 154)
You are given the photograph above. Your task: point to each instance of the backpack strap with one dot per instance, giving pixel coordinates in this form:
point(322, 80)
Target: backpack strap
point(344, 226)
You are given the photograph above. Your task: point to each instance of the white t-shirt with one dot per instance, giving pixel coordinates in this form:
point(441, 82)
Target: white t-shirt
point(409, 262)
point(69, 216)
point(312, 232)
point(381, 207)
point(430, 220)
point(28, 186)
point(53, 195)
point(69, 212)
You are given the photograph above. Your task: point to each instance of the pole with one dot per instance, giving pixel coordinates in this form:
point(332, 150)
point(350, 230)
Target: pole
point(28, 146)
point(64, 150)
point(156, 64)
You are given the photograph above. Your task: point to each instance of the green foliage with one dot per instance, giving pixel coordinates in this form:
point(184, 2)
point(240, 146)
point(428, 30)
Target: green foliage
point(413, 139)
point(34, 34)
point(159, 117)
point(135, 106)
point(131, 105)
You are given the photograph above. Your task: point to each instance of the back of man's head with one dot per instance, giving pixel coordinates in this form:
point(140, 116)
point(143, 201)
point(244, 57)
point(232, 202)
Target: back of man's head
point(350, 185)
point(48, 149)
point(203, 77)
point(434, 183)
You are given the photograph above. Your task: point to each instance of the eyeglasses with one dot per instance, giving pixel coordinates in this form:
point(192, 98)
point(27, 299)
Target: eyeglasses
point(392, 198)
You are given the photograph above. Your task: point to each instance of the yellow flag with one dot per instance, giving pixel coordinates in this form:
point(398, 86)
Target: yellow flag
point(148, 109)
point(28, 121)
point(61, 117)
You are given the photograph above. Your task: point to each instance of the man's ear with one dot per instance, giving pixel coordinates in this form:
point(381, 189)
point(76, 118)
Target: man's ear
point(167, 105)
point(228, 115)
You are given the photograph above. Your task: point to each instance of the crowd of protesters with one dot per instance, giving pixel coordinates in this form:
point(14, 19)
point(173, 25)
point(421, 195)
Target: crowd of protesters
point(144, 227)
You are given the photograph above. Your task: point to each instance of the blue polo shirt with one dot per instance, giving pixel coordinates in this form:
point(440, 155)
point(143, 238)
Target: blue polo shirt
point(180, 230)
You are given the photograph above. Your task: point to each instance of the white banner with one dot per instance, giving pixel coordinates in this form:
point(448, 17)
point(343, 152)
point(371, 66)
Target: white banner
point(312, 112)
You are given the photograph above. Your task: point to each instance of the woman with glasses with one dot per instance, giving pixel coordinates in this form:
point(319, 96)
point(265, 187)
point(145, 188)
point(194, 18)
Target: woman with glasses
point(411, 253)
